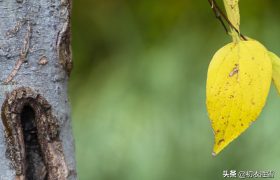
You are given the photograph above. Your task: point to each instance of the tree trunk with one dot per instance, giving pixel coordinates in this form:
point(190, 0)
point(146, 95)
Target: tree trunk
point(35, 62)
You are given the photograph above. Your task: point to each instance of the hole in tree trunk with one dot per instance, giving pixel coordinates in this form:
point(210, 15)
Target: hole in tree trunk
point(34, 163)
point(32, 137)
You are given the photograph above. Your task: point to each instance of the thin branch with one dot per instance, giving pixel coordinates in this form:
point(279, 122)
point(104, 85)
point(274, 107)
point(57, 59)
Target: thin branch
point(220, 16)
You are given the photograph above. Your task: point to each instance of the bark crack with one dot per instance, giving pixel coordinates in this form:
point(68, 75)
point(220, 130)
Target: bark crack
point(23, 53)
point(63, 41)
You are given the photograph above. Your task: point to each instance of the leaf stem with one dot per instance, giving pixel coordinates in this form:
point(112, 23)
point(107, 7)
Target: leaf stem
point(233, 15)
point(221, 16)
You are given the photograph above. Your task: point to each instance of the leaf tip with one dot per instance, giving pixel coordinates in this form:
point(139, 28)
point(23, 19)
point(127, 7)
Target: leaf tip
point(214, 154)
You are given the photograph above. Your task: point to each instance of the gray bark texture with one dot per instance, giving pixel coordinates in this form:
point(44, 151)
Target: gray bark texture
point(36, 139)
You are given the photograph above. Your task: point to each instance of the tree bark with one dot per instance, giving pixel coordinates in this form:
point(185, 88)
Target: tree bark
point(35, 63)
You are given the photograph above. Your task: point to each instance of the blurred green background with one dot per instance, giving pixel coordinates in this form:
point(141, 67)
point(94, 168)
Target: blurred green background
point(138, 90)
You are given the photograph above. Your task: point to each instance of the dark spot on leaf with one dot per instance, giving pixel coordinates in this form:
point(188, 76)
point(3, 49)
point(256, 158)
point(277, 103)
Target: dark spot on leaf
point(222, 140)
point(234, 70)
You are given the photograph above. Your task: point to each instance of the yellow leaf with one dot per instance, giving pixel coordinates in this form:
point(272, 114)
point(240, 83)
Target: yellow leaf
point(275, 70)
point(238, 82)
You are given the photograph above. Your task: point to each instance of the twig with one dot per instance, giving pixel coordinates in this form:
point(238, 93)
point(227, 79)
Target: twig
point(220, 14)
